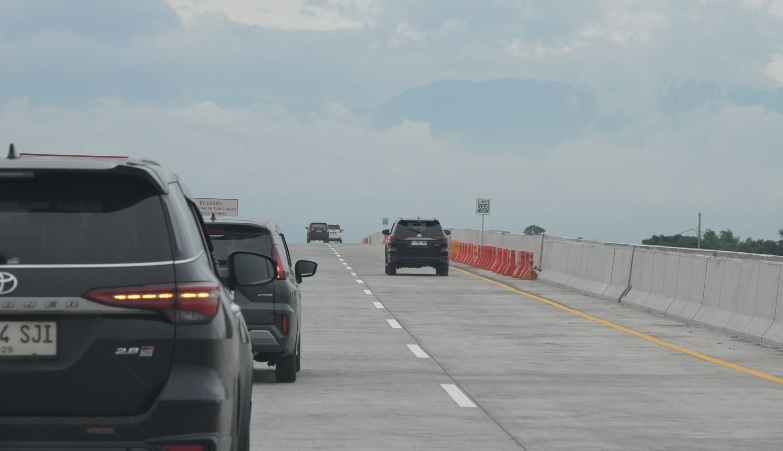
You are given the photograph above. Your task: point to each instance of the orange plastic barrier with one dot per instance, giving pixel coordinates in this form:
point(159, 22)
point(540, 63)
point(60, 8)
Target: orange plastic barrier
point(511, 263)
point(526, 269)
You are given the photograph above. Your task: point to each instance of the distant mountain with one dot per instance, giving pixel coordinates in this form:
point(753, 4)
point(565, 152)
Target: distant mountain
point(688, 95)
point(519, 116)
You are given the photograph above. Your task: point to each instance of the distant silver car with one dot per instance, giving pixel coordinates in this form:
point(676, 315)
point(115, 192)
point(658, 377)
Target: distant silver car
point(335, 233)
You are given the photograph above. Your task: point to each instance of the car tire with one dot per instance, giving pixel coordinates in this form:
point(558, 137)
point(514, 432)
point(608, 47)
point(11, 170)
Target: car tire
point(442, 269)
point(244, 434)
point(308, 240)
point(391, 270)
point(326, 241)
point(298, 355)
point(340, 241)
point(285, 368)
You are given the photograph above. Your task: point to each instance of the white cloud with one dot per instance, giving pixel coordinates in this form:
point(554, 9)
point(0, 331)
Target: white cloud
point(405, 33)
point(775, 69)
point(623, 28)
point(517, 47)
point(280, 167)
point(772, 7)
point(287, 14)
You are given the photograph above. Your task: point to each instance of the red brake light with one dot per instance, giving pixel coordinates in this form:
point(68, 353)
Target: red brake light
point(396, 238)
point(186, 303)
point(285, 324)
point(281, 274)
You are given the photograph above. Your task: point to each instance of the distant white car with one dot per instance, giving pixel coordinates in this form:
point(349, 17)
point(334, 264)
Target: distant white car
point(335, 233)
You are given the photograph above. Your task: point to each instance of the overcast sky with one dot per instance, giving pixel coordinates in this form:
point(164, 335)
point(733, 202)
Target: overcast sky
point(267, 101)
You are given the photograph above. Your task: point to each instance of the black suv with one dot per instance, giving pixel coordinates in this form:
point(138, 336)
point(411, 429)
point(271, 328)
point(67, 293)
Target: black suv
point(116, 331)
point(415, 243)
point(317, 231)
point(272, 311)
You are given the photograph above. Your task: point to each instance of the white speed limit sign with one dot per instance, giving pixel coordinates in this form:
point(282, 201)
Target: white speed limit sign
point(482, 206)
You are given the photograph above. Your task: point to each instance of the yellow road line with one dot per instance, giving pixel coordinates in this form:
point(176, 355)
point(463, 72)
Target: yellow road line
point(635, 333)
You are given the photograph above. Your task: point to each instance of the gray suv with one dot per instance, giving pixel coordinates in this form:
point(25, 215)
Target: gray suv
point(272, 311)
point(116, 331)
point(416, 243)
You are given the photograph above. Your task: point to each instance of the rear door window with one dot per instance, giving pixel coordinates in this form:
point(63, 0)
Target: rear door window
point(228, 238)
point(75, 217)
point(406, 228)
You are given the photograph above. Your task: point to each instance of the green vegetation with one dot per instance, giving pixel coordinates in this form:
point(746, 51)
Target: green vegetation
point(534, 230)
point(723, 241)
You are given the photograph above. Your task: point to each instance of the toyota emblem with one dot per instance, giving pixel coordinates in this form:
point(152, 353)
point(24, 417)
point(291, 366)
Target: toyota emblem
point(8, 283)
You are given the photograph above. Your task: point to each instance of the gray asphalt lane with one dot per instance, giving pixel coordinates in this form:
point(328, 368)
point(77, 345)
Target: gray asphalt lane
point(543, 378)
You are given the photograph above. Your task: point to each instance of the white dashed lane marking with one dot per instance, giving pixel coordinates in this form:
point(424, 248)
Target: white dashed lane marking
point(418, 352)
point(347, 267)
point(394, 324)
point(353, 274)
point(345, 263)
point(377, 304)
point(359, 281)
point(367, 292)
point(456, 394)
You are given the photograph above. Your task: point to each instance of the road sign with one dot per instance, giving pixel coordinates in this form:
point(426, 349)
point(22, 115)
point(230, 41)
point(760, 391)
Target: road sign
point(219, 207)
point(482, 206)
point(385, 221)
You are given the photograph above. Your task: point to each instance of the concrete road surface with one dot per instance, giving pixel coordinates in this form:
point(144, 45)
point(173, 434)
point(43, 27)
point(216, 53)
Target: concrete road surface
point(477, 361)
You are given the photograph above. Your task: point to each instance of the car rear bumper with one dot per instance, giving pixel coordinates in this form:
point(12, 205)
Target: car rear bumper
point(195, 407)
point(417, 261)
point(269, 339)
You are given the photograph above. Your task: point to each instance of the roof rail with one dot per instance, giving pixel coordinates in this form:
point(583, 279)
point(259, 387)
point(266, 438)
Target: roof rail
point(60, 155)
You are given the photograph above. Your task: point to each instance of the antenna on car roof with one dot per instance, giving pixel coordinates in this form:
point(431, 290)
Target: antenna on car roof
point(12, 153)
point(213, 218)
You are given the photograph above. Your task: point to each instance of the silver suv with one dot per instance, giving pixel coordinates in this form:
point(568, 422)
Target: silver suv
point(335, 233)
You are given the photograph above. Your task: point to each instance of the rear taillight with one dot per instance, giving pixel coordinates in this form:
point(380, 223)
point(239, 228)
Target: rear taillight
point(281, 274)
point(185, 303)
point(285, 324)
point(394, 238)
point(183, 447)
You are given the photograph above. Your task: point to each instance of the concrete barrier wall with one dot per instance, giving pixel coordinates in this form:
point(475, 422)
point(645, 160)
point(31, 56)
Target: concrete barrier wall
point(740, 294)
point(596, 269)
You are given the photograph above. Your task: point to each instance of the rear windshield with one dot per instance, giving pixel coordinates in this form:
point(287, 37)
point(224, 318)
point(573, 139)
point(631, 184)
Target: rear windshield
point(321, 225)
point(78, 217)
point(334, 227)
point(228, 238)
point(408, 228)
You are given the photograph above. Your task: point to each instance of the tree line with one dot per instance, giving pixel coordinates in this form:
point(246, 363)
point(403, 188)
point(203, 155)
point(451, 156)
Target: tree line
point(725, 240)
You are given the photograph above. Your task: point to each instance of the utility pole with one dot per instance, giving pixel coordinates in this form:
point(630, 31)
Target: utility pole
point(698, 236)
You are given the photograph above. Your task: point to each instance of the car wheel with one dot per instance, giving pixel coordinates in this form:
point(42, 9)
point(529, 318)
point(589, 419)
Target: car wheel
point(308, 240)
point(244, 434)
point(442, 270)
point(285, 368)
point(391, 269)
point(326, 241)
point(298, 355)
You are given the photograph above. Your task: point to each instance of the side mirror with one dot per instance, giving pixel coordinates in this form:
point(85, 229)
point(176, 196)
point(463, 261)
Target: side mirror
point(249, 269)
point(304, 268)
point(386, 232)
point(447, 232)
